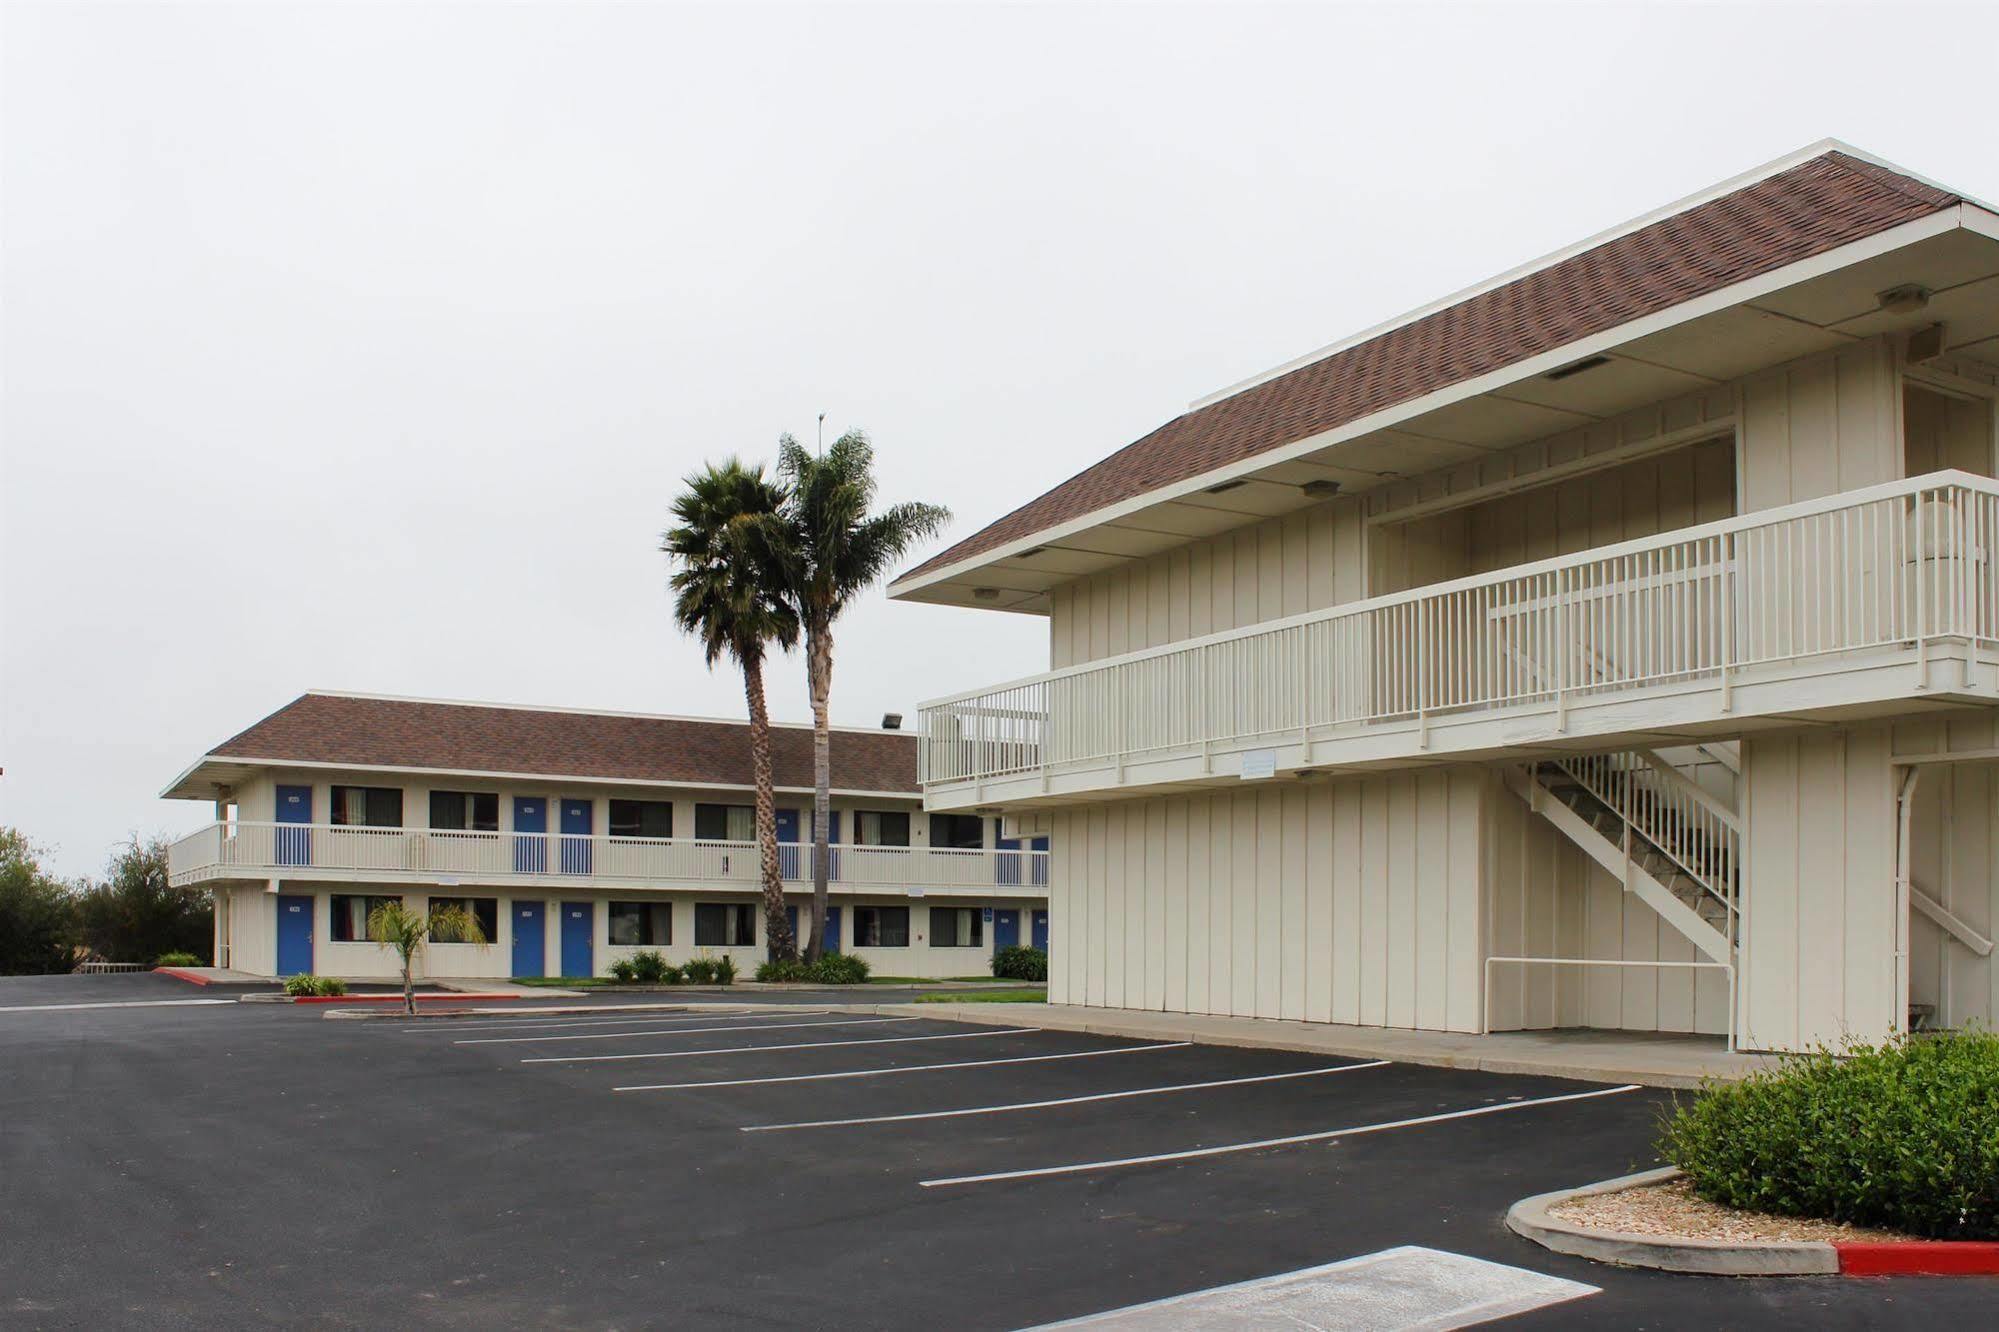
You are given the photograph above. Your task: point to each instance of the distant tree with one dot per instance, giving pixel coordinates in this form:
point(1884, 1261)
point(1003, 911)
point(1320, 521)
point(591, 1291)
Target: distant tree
point(728, 593)
point(37, 914)
point(135, 914)
point(832, 549)
point(405, 932)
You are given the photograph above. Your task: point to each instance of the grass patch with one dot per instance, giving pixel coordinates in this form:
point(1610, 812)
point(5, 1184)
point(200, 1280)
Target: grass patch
point(938, 980)
point(1899, 1136)
point(985, 997)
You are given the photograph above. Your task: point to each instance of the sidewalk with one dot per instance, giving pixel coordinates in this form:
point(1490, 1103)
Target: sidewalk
point(1588, 1056)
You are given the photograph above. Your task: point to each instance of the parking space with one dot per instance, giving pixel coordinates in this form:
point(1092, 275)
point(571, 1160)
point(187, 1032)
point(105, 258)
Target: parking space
point(765, 1165)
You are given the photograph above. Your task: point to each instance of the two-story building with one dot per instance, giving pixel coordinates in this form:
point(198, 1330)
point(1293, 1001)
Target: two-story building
point(1612, 645)
point(576, 838)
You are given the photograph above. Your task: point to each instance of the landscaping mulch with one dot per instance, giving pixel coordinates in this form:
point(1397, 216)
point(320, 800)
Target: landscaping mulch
point(1672, 1209)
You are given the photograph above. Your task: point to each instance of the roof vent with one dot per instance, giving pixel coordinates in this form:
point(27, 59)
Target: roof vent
point(891, 721)
point(1032, 551)
point(985, 594)
point(1587, 363)
point(1236, 484)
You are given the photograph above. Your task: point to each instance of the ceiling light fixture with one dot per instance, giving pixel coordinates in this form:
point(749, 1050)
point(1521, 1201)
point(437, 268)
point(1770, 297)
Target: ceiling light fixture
point(1320, 489)
point(1905, 299)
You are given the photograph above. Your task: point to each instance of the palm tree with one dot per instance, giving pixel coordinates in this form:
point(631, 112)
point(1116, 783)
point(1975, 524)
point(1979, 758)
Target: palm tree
point(395, 926)
point(727, 591)
point(830, 549)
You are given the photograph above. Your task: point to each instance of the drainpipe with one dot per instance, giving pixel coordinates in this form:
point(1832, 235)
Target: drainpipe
point(1905, 804)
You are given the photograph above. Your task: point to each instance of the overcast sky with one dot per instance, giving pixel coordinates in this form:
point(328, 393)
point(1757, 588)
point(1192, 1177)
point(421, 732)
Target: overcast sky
point(363, 346)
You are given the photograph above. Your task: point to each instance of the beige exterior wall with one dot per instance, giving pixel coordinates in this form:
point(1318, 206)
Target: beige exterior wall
point(1353, 900)
point(252, 923)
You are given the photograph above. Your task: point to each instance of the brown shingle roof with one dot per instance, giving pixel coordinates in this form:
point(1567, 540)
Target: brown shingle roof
point(1817, 205)
point(340, 730)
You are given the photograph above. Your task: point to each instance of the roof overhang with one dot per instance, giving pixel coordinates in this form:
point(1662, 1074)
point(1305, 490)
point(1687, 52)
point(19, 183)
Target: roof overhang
point(215, 775)
point(1817, 304)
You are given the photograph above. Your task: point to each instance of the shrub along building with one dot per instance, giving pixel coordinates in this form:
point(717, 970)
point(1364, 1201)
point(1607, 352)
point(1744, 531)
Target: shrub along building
point(576, 838)
point(1612, 645)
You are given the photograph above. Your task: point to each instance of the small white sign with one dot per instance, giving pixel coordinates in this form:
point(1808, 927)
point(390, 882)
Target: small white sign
point(1259, 765)
point(447, 881)
point(916, 892)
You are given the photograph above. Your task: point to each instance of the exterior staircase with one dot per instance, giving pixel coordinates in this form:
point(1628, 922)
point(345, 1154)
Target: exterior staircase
point(1667, 839)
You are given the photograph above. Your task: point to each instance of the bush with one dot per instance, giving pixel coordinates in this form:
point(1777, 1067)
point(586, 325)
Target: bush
point(310, 986)
point(781, 970)
point(710, 971)
point(1903, 1136)
point(651, 968)
point(37, 914)
point(838, 969)
point(1017, 962)
point(178, 960)
point(623, 970)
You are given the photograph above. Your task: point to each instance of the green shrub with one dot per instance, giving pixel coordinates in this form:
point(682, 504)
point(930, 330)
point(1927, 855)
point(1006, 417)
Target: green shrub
point(332, 986)
point(623, 970)
point(710, 971)
point(1903, 1136)
point(309, 986)
point(781, 970)
point(838, 969)
point(1017, 962)
point(177, 960)
point(651, 968)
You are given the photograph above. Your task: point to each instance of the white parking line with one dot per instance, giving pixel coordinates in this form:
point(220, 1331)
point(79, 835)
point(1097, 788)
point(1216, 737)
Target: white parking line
point(1407, 1287)
point(1066, 1100)
point(682, 1031)
point(1085, 1167)
point(114, 1003)
point(801, 1045)
point(907, 1068)
point(719, 1015)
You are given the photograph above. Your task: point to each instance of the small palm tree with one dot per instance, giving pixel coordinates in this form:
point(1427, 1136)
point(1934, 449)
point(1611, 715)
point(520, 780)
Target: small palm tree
point(830, 549)
point(728, 592)
point(393, 925)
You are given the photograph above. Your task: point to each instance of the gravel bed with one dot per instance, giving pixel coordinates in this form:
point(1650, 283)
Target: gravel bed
point(1672, 1209)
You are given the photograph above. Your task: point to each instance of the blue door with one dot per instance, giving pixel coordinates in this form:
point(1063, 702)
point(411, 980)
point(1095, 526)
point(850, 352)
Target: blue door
point(788, 862)
point(576, 837)
point(531, 852)
point(1006, 927)
point(528, 950)
point(294, 935)
point(295, 844)
point(1041, 930)
point(832, 928)
point(579, 920)
point(1006, 868)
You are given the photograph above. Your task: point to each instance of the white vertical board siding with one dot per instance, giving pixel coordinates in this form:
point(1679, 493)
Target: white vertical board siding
point(1941, 431)
point(1819, 892)
point(1820, 426)
point(1545, 898)
point(1353, 901)
point(1955, 859)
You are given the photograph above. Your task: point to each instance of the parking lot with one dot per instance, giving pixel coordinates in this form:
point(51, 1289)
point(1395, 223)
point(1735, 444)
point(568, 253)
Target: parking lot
point(763, 1165)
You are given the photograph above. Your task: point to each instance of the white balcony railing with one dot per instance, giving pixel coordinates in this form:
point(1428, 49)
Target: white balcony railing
point(273, 850)
point(1777, 592)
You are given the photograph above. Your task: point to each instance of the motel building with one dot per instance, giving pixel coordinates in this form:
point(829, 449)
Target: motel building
point(577, 838)
point(1612, 646)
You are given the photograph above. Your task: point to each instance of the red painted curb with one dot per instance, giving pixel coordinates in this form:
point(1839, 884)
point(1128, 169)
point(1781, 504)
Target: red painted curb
point(1920, 1258)
point(394, 998)
point(178, 974)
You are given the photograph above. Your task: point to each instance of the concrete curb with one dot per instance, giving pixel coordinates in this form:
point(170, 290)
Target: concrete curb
point(364, 1015)
point(1530, 1219)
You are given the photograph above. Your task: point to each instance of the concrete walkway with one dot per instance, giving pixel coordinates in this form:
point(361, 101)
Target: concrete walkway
point(1589, 1056)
